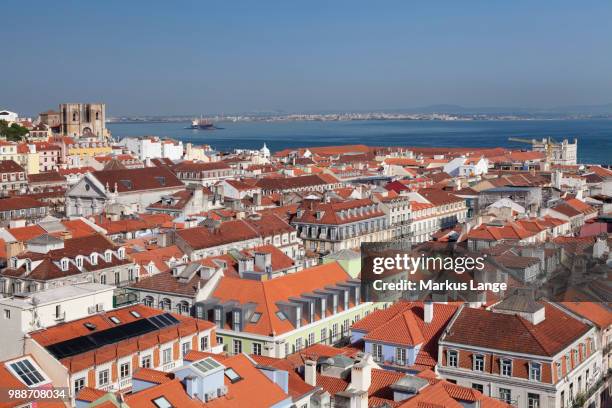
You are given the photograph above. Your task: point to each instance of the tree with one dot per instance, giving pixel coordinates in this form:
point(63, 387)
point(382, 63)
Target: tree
point(13, 132)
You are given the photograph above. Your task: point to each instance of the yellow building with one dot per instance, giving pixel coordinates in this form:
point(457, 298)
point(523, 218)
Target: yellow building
point(21, 154)
point(88, 147)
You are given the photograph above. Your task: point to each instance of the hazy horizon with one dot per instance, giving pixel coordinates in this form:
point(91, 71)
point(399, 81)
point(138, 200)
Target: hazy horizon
point(154, 58)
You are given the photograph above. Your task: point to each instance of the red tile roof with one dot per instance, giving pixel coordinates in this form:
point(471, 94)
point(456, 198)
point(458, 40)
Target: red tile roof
point(508, 332)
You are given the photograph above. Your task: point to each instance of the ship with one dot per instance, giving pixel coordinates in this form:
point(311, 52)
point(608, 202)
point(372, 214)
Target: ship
point(202, 124)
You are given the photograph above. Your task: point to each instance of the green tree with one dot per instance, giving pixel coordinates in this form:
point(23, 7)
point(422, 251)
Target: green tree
point(13, 132)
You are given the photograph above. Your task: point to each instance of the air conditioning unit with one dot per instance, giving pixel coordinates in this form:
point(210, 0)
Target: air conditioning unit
point(211, 396)
point(91, 309)
point(100, 307)
point(221, 391)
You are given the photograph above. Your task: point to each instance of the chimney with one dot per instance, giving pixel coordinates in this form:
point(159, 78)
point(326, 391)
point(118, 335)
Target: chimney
point(361, 374)
point(263, 261)
point(428, 311)
point(310, 372)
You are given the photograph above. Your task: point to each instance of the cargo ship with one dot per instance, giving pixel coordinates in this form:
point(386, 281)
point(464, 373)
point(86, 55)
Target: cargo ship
point(202, 124)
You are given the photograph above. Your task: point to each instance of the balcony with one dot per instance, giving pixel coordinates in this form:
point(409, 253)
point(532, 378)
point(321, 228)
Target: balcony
point(125, 383)
point(168, 366)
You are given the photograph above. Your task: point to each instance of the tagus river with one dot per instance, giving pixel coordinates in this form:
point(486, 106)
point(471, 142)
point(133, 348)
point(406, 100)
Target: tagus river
point(594, 135)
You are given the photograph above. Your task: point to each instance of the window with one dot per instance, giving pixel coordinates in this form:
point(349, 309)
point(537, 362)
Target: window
point(505, 395)
point(26, 371)
point(232, 375)
point(103, 279)
point(124, 370)
point(334, 332)
point(311, 339)
point(323, 335)
point(115, 319)
point(219, 340)
point(117, 278)
point(400, 356)
point(562, 399)
point(377, 352)
point(257, 349)
point(478, 387)
point(7, 313)
point(161, 402)
point(79, 261)
point(79, 384)
point(185, 347)
point(479, 362)
point(506, 367)
point(204, 343)
point(535, 372)
point(146, 362)
point(533, 400)
point(298, 344)
point(453, 358)
point(166, 356)
point(237, 346)
point(559, 370)
point(103, 377)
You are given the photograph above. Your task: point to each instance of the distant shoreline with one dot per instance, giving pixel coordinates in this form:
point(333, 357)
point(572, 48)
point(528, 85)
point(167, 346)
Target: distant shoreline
point(285, 120)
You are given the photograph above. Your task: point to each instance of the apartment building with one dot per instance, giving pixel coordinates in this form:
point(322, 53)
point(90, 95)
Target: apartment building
point(24, 313)
point(217, 238)
point(434, 210)
point(327, 227)
point(206, 174)
point(280, 316)
point(12, 176)
point(103, 350)
point(51, 262)
point(404, 336)
point(526, 353)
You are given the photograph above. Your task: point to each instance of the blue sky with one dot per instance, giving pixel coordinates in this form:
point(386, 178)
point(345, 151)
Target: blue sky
point(234, 56)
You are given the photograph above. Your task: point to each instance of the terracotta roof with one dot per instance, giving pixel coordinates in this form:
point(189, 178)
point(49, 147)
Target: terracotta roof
point(403, 323)
point(288, 183)
point(508, 332)
point(339, 212)
point(254, 383)
point(19, 203)
point(48, 177)
point(10, 166)
point(173, 391)
point(152, 376)
point(265, 294)
point(595, 312)
point(148, 178)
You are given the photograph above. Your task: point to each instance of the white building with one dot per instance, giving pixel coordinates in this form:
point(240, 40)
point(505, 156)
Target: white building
point(467, 167)
point(22, 314)
point(8, 116)
point(151, 147)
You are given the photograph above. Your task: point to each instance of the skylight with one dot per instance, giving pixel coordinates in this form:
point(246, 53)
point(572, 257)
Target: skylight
point(135, 314)
point(281, 315)
point(90, 326)
point(255, 318)
point(162, 402)
point(26, 371)
point(115, 320)
point(232, 375)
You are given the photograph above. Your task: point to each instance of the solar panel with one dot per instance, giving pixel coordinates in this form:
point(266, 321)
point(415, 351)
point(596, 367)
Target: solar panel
point(27, 372)
point(101, 338)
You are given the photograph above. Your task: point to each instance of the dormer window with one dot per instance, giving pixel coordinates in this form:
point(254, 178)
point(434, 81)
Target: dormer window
point(93, 258)
point(14, 262)
point(121, 253)
point(453, 358)
point(79, 261)
point(535, 372)
point(108, 256)
point(28, 265)
point(64, 264)
point(506, 367)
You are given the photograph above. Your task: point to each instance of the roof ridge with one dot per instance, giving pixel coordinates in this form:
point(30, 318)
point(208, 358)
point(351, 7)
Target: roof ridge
point(531, 333)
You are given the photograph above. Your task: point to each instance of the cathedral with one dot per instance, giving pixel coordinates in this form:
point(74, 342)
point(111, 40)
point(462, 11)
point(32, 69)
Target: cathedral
point(83, 120)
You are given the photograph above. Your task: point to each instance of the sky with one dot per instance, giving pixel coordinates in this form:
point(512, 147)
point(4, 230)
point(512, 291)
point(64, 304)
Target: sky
point(189, 57)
